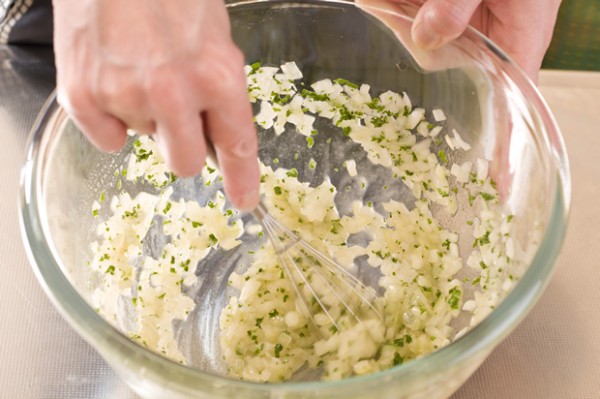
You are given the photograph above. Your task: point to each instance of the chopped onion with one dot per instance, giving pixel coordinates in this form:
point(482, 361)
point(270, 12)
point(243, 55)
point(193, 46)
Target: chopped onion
point(438, 115)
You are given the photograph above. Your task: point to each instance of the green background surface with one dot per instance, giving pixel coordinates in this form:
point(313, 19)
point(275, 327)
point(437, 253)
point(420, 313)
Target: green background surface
point(576, 41)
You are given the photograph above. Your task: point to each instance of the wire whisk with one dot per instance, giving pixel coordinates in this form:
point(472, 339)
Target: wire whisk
point(321, 284)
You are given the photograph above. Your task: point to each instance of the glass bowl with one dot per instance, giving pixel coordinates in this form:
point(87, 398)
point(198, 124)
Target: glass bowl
point(482, 94)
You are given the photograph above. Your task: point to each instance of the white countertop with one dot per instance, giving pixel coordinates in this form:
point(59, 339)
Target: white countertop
point(554, 353)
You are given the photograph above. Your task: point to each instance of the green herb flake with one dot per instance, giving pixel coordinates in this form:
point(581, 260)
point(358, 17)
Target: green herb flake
point(346, 82)
point(454, 297)
point(446, 244)
point(483, 240)
point(277, 350)
point(346, 114)
point(130, 214)
point(442, 156)
point(397, 359)
point(280, 99)
point(487, 196)
point(379, 121)
point(254, 68)
point(314, 96)
point(336, 226)
point(142, 155)
point(374, 104)
point(400, 342)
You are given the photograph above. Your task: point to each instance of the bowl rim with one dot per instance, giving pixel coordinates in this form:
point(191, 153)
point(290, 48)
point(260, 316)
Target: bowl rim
point(479, 339)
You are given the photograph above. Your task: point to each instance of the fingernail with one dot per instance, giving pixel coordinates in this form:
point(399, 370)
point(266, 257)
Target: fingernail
point(248, 201)
point(423, 33)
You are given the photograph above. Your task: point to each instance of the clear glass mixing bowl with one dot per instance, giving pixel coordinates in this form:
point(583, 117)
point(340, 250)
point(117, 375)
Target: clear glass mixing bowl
point(484, 95)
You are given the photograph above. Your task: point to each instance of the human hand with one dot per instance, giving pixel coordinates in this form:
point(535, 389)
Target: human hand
point(522, 28)
point(165, 68)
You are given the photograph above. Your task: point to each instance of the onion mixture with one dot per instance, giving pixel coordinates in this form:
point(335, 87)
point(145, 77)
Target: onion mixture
point(427, 279)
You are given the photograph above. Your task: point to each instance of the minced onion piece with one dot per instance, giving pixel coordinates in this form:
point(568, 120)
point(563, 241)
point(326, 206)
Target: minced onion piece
point(351, 167)
point(459, 142)
point(438, 115)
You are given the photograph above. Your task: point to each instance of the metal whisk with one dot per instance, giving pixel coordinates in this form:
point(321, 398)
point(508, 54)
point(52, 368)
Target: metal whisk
point(320, 283)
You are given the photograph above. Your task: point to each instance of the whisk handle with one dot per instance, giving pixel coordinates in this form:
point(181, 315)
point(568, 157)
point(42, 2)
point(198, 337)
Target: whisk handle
point(260, 212)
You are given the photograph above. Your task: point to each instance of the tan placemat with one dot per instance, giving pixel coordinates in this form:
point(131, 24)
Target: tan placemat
point(555, 352)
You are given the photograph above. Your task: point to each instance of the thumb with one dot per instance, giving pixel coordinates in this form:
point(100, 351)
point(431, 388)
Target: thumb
point(440, 21)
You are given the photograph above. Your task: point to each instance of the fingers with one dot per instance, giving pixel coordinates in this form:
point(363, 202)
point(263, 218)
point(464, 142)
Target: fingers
point(440, 21)
point(181, 140)
point(160, 72)
point(231, 130)
point(105, 131)
point(118, 92)
point(236, 148)
point(179, 130)
point(210, 105)
point(529, 64)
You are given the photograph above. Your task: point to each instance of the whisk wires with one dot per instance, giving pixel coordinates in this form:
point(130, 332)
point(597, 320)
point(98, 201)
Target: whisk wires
point(319, 282)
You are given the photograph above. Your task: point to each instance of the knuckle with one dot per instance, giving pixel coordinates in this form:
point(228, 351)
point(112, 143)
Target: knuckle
point(452, 17)
point(117, 90)
point(235, 147)
point(222, 77)
point(237, 57)
point(233, 75)
point(163, 88)
point(75, 98)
